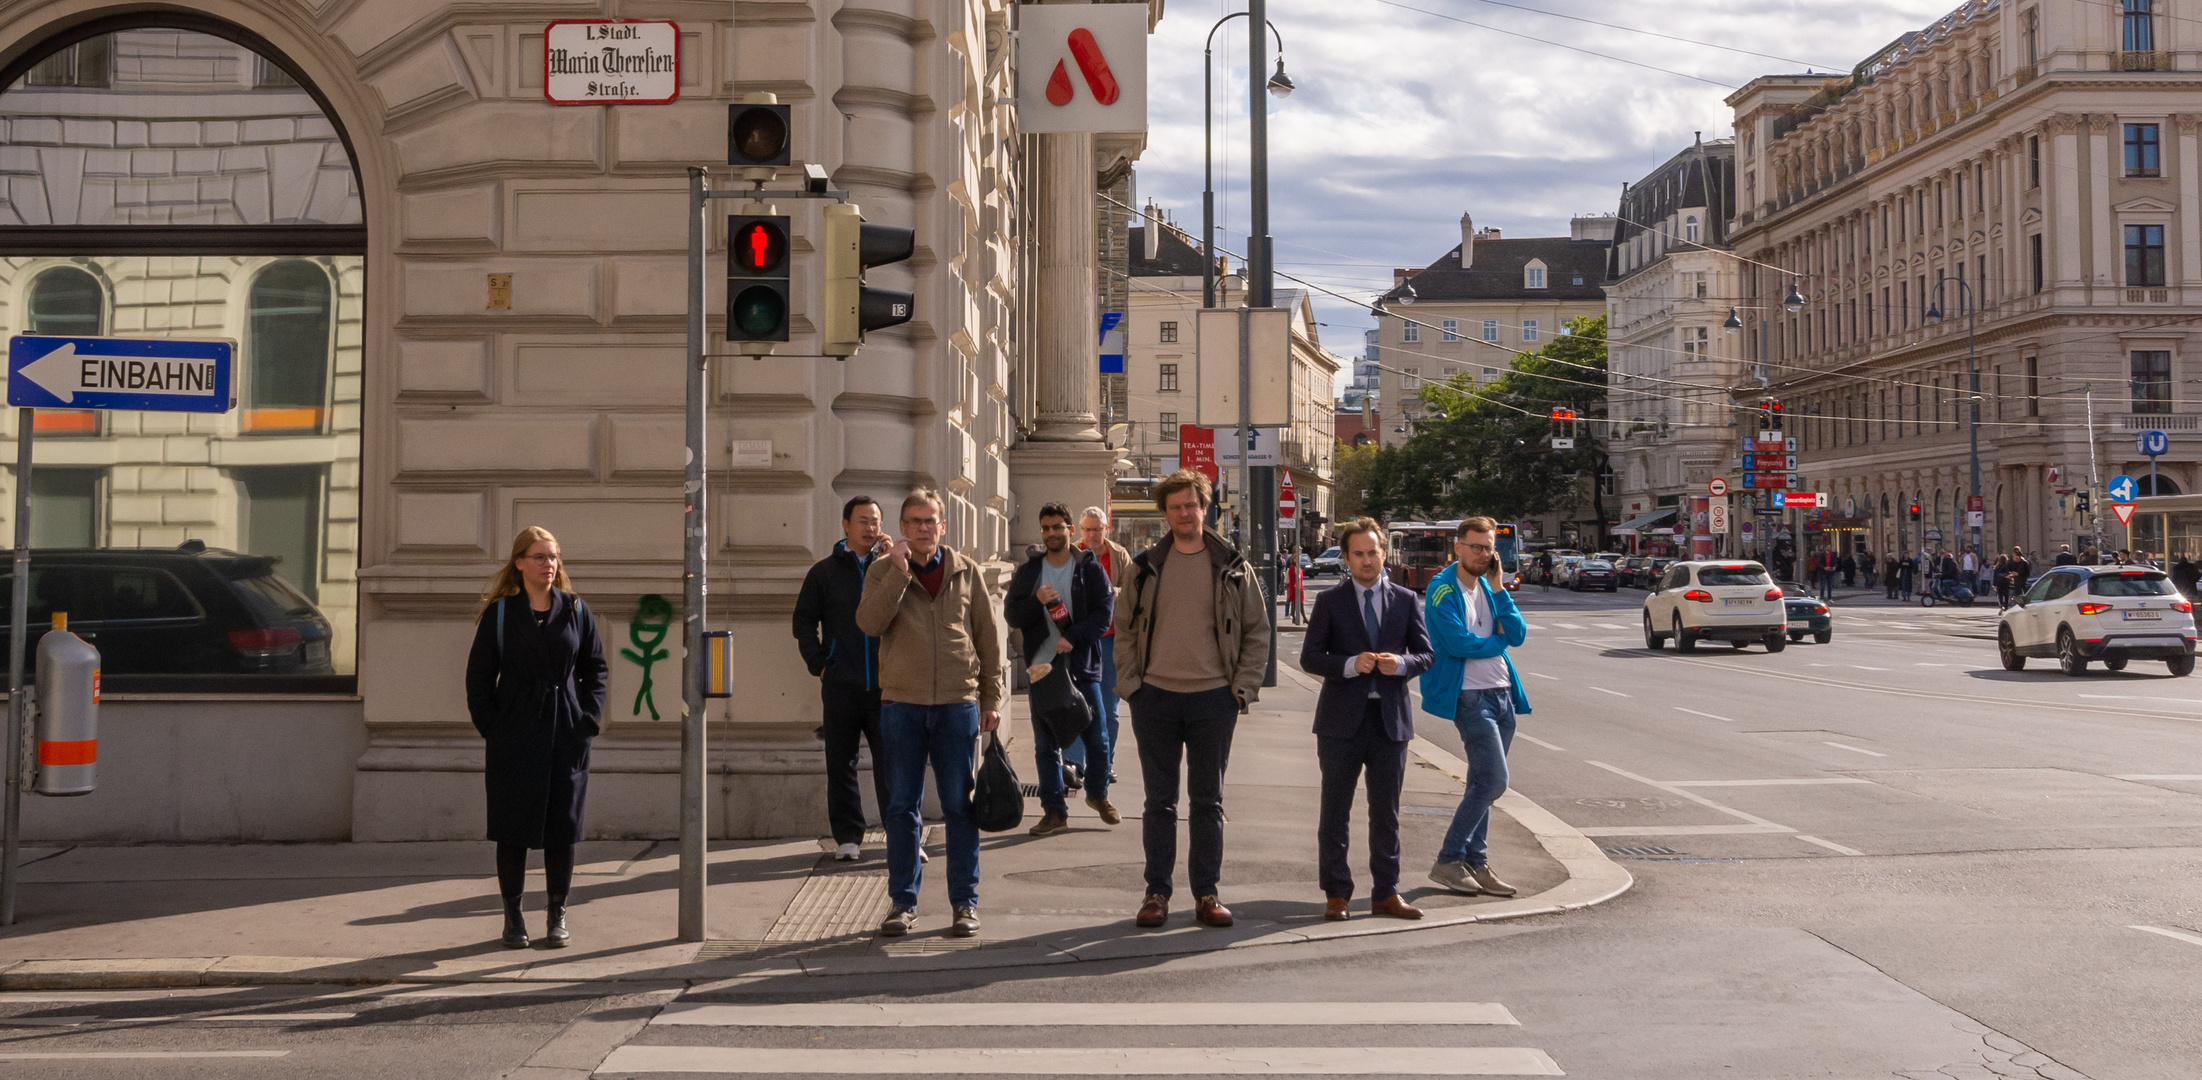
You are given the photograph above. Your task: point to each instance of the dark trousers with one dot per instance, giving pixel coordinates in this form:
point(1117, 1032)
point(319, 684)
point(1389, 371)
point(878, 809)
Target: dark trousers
point(852, 714)
point(1197, 729)
point(1343, 760)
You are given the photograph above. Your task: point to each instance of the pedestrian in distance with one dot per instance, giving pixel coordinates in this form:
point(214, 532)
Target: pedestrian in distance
point(1062, 603)
point(1192, 643)
point(1907, 573)
point(2185, 575)
point(1889, 574)
point(1093, 534)
point(535, 681)
point(1849, 565)
point(1364, 640)
point(845, 661)
point(2064, 556)
point(1544, 569)
point(1472, 621)
point(940, 686)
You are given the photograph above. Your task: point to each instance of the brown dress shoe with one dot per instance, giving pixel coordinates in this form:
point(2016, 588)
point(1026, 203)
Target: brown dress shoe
point(1334, 909)
point(1209, 911)
point(1050, 823)
point(1395, 907)
point(1153, 912)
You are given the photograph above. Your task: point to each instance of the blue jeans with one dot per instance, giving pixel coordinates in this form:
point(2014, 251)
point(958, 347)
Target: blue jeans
point(946, 736)
point(1485, 720)
point(1048, 757)
point(1075, 753)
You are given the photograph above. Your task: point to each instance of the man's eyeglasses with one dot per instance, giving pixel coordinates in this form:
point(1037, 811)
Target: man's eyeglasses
point(1485, 548)
point(921, 523)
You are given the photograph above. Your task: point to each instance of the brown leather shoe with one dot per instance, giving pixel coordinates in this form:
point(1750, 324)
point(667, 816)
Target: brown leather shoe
point(1395, 907)
point(1334, 909)
point(1209, 911)
point(1153, 912)
point(1049, 824)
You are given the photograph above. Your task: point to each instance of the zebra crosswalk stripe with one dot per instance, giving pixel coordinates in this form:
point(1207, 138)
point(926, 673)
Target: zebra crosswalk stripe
point(1092, 1014)
point(1074, 1061)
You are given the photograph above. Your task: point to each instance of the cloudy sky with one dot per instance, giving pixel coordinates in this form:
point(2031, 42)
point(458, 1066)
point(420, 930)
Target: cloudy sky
point(1404, 119)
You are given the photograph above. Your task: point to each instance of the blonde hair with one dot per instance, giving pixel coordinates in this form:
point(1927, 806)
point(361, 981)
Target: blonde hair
point(506, 581)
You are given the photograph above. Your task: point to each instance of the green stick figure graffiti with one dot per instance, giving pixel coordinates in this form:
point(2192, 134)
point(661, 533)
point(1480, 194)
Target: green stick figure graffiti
point(653, 617)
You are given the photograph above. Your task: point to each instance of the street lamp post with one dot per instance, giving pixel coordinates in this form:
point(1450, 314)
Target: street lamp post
point(1972, 422)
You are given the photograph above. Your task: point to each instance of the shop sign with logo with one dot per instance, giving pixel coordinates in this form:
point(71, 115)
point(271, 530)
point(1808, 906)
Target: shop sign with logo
point(1081, 67)
point(611, 62)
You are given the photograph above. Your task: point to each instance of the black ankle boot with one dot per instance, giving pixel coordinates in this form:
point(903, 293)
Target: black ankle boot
point(555, 935)
point(516, 928)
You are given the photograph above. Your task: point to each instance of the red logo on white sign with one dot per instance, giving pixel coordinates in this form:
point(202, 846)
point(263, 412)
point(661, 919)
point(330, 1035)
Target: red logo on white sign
point(1091, 64)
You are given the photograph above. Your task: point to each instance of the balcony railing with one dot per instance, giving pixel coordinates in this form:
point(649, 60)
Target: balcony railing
point(2148, 296)
point(2174, 422)
point(2141, 60)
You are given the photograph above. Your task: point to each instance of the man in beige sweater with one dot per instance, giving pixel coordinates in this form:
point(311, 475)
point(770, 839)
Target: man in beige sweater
point(940, 684)
point(1192, 639)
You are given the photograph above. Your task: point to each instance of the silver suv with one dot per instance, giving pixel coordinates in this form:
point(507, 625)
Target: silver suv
point(2079, 614)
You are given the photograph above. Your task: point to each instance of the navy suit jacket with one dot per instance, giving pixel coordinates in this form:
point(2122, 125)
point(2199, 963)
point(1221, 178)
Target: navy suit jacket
point(1335, 635)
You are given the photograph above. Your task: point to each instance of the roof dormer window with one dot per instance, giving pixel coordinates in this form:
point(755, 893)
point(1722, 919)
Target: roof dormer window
point(1689, 229)
point(1533, 274)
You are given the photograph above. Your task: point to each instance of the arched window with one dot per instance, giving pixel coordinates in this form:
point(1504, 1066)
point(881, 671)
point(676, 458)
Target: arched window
point(287, 336)
point(65, 302)
point(1533, 274)
point(1689, 228)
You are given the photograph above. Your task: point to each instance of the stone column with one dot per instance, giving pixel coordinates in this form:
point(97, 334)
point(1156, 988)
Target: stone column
point(2190, 204)
point(2107, 243)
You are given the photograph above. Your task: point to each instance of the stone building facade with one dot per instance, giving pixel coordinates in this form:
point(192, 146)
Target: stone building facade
point(2034, 165)
point(505, 347)
point(1671, 364)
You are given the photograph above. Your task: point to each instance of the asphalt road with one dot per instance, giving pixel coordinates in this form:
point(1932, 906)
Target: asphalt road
point(1881, 857)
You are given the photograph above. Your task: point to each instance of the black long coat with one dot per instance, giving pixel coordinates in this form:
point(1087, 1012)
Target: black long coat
point(537, 704)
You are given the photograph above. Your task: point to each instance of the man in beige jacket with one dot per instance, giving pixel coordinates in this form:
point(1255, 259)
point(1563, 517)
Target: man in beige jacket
point(940, 685)
point(1192, 640)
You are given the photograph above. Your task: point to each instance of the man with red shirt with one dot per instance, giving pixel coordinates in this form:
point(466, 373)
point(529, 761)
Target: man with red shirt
point(1093, 536)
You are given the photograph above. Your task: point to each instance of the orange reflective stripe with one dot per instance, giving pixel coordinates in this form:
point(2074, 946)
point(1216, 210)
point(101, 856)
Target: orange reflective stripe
point(85, 752)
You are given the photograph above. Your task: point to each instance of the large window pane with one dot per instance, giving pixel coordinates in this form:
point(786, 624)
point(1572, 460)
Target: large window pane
point(282, 520)
point(288, 341)
point(64, 507)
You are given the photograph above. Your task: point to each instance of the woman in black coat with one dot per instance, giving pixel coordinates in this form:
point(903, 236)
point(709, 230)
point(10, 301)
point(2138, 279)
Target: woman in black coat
point(535, 690)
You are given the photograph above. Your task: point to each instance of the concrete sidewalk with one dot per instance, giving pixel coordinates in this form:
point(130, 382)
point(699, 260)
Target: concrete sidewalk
point(140, 916)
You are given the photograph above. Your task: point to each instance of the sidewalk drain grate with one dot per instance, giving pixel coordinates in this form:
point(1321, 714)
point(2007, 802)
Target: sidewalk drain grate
point(1641, 852)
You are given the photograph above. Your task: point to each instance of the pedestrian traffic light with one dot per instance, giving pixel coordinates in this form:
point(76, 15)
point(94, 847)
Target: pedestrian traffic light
point(757, 132)
point(1915, 511)
point(850, 308)
point(757, 278)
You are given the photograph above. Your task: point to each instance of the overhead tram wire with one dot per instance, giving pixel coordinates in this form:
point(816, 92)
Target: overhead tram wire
point(1654, 33)
point(1556, 44)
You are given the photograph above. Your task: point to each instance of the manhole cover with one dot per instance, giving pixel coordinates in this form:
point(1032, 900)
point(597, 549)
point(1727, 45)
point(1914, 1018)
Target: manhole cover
point(1641, 852)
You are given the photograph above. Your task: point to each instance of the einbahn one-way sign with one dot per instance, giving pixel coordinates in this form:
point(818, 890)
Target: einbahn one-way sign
point(151, 374)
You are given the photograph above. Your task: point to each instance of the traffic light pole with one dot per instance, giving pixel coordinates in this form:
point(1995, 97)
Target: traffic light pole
point(693, 757)
point(1259, 289)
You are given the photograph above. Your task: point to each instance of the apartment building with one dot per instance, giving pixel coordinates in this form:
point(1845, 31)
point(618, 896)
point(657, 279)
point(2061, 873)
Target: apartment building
point(2028, 172)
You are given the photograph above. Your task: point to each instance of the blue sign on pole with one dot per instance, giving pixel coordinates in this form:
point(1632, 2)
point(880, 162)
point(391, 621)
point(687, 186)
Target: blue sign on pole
point(2121, 489)
point(150, 374)
point(2153, 443)
point(1112, 343)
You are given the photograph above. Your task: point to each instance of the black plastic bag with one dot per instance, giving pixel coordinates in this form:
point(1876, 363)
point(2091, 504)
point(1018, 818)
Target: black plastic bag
point(1057, 703)
point(997, 800)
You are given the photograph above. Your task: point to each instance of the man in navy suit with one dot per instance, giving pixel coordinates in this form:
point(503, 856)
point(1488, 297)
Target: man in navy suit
point(1365, 639)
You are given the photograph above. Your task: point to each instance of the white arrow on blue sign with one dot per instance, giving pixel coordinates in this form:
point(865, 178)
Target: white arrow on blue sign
point(2121, 489)
point(2153, 443)
point(150, 374)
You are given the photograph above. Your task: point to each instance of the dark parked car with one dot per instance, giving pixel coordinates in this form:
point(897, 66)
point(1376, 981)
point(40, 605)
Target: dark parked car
point(1593, 574)
point(1634, 572)
point(1807, 615)
point(189, 610)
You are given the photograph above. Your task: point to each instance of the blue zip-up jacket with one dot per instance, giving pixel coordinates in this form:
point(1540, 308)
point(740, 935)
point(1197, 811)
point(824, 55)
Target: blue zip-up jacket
point(1445, 612)
point(825, 622)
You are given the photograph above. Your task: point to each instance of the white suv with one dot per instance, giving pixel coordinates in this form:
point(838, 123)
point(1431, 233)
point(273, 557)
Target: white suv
point(1717, 600)
point(2108, 613)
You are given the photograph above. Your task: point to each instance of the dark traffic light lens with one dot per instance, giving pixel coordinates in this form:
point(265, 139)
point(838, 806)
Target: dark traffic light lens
point(759, 247)
point(759, 134)
point(759, 310)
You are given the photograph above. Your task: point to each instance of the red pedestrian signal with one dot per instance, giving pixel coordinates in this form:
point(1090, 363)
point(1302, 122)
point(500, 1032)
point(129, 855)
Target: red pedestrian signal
point(757, 278)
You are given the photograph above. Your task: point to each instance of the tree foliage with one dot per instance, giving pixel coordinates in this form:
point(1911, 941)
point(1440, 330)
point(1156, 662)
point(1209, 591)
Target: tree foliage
point(1487, 449)
point(1351, 472)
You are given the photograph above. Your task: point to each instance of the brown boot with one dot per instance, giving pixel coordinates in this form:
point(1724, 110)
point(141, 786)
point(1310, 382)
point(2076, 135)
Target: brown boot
point(1050, 824)
point(1334, 909)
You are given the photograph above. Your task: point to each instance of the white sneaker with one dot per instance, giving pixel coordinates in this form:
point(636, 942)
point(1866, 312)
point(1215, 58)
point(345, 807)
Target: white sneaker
point(922, 856)
point(848, 853)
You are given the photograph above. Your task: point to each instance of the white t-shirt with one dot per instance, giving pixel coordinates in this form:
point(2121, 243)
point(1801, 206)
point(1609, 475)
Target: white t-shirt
point(1487, 673)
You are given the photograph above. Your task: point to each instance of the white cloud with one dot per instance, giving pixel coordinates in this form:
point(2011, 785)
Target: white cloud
point(1403, 121)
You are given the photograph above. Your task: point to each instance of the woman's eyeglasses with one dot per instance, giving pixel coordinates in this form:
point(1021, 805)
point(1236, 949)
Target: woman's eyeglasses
point(539, 558)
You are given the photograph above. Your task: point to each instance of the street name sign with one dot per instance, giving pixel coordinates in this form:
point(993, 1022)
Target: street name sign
point(611, 62)
point(1261, 446)
point(2122, 488)
point(150, 374)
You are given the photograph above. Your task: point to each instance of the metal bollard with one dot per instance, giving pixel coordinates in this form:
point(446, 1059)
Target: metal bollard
point(68, 712)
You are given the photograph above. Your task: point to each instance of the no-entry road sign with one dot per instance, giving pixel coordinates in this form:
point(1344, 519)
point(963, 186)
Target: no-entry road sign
point(1718, 487)
point(151, 374)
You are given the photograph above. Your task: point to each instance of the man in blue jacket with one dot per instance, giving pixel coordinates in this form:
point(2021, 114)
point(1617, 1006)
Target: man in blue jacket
point(1365, 640)
point(1472, 621)
point(1067, 575)
point(846, 662)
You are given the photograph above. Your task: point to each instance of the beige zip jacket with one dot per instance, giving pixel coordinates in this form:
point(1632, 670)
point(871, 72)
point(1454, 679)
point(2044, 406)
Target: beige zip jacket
point(1242, 621)
point(933, 650)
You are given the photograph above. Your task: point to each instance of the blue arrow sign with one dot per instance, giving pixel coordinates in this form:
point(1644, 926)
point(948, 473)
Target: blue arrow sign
point(2153, 443)
point(151, 374)
point(2121, 489)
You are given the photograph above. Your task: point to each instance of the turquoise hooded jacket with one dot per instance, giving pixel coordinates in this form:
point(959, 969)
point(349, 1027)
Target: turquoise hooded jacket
point(1445, 611)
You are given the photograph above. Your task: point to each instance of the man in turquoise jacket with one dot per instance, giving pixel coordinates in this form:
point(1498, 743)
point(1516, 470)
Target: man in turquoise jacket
point(1472, 621)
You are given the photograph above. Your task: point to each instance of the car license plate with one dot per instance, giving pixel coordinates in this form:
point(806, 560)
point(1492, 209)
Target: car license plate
point(1800, 624)
point(1737, 601)
point(2143, 614)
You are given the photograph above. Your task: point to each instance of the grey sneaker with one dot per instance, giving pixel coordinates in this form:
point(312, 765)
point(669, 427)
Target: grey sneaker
point(848, 853)
point(1488, 881)
point(1454, 877)
point(898, 922)
point(966, 924)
